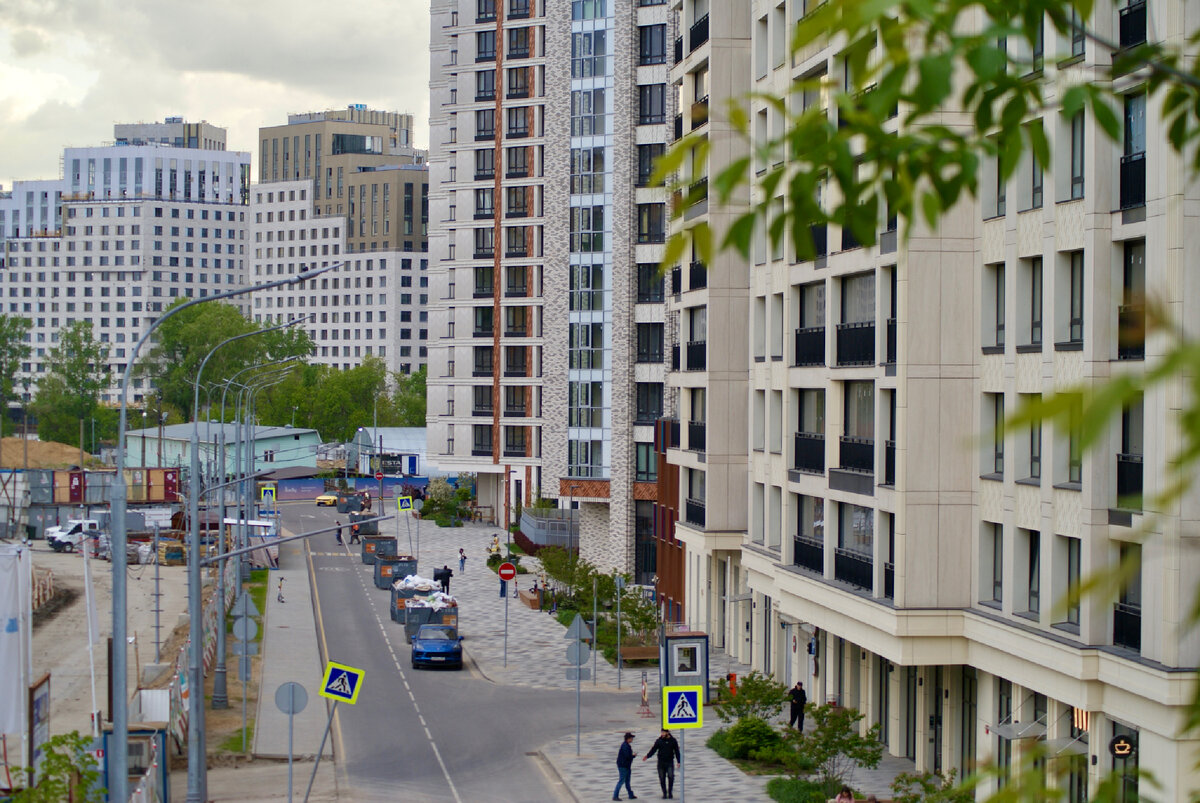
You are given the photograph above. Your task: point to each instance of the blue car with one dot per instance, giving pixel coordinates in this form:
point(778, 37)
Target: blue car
point(437, 645)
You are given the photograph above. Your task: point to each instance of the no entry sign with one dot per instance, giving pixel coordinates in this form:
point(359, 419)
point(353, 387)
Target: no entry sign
point(507, 571)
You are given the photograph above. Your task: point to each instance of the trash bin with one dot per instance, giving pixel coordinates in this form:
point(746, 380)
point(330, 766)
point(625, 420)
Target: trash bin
point(389, 568)
point(418, 614)
point(401, 594)
point(370, 544)
point(386, 547)
point(367, 523)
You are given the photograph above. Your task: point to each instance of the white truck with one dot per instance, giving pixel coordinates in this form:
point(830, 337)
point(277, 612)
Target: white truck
point(70, 536)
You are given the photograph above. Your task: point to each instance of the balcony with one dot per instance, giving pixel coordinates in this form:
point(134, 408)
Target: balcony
point(516, 290)
point(857, 454)
point(1131, 332)
point(1133, 25)
point(853, 568)
point(696, 436)
point(1127, 626)
point(810, 452)
point(856, 343)
point(810, 346)
point(889, 463)
point(890, 356)
point(809, 554)
point(697, 276)
point(1129, 481)
point(698, 34)
point(693, 512)
point(1133, 180)
point(700, 112)
point(678, 49)
point(676, 280)
point(697, 356)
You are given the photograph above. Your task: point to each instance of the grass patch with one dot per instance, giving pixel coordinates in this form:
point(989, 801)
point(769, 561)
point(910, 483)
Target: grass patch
point(233, 744)
point(799, 790)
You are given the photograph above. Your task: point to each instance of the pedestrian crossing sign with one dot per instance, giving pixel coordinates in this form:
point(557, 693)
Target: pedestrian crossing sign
point(681, 707)
point(341, 683)
point(404, 502)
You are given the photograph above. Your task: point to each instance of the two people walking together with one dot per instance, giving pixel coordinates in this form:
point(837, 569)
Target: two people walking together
point(666, 746)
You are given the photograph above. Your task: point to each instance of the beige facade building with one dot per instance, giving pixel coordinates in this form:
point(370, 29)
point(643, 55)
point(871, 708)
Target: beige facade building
point(886, 553)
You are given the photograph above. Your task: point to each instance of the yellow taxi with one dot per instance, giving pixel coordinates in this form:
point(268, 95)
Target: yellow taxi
point(327, 500)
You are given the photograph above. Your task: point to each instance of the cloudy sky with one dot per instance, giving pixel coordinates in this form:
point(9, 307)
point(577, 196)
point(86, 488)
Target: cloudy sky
point(69, 69)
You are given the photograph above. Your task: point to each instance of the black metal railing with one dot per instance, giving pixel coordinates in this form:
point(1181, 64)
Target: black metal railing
point(697, 355)
point(810, 452)
point(1131, 332)
point(485, 175)
point(1127, 626)
point(481, 331)
point(516, 330)
point(889, 462)
point(853, 568)
point(678, 126)
point(1133, 180)
point(482, 369)
point(516, 92)
point(857, 454)
point(1133, 25)
point(514, 450)
point(856, 343)
point(514, 412)
point(675, 357)
point(482, 411)
point(485, 134)
point(849, 241)
point(820, 237)
point(889, 580)
point(693, 512)
point(518, 10)
point(483, 292)
point(697, 276)
point(516, 290)
point(698, 34)
point(1129, 481)
point(676, 280)
point(481, 451)
point(890, 356)
point(517, 171)
point(700, 112)
point(516, 250)
point(519, 52)
point(678, 49)
point(483, 214)
point(808, 553)
point(485, 95)
point(810, 346)
point(484, 253)
point(696, 436)
point(516, 369)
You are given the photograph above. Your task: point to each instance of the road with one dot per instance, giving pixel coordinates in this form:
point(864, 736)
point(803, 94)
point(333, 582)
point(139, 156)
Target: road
point(426, 735)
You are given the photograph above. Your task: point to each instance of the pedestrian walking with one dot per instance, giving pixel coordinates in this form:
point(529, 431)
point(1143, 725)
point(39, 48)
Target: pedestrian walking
point(446, 575)
point(279, 593)
point(354, 539)
point(799, 700)
point(462, 560)
point(624, 767)
point(669, 755)
point(339, 532)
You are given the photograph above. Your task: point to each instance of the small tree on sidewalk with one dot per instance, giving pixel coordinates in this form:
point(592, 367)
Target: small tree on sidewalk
point(758, 695)
point(834, 744)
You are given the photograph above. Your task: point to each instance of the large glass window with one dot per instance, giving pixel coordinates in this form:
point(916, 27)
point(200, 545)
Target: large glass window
point(652, 44)
point(652, 104)
point(860, 410)
point(649, 342)
point(588, 50)
point(649, 402)
point(856, 529)
point(646, 463)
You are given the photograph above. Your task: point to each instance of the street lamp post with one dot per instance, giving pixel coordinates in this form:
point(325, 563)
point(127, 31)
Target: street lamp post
point(119, 758)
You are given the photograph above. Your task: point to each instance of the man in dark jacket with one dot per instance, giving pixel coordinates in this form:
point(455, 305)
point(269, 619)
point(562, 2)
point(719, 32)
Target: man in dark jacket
point(669, 755)
point(799, 699)
point(624, 767)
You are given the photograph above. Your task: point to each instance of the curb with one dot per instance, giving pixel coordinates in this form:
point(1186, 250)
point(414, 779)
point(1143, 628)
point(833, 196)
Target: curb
point(552, 769)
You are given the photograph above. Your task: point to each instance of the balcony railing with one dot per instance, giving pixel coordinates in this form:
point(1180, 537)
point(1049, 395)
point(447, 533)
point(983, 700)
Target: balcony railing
point(516, 290)
point(810, 346)
point(1133, 25)
point(517, 171)
point(696, 436)
point(1131, 332)
point(678, 126)
point(697, 276)
point(482, 411)
point(676, 280)
point(675, 357)
point(857, 454)
point(1127, 626)
point(484, 214)
point(520, 250)
point(1133, 180)
point(853, 568)
point(698, 34)
point(515, 330)
point(482, 369)
point(514, 450)
point(481, 331)
point(515, 412)
point(810, 452)
point(889, 462)
point(485, 175)
point(808, 553)
point(519, 10)
point(519, 52)
point(700, 112)
point(697, 356)
point(890, 357)
point(856, 343)
point(484, 253)
point(693, 512)
point(678, 49)
point(483, 292)
point(1129, 481)
point(484, 134)
point(484, 95)
point(516, 369)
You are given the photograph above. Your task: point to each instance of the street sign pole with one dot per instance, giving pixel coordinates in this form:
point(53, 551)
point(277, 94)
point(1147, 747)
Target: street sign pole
point(505, 631)
point(620, 584)
point(595, 631)
point(682, 769)
point(320, 750)
point(578, 674)
point(507, 573)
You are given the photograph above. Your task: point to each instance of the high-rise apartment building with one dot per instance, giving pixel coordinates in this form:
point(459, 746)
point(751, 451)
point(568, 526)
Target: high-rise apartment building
point(346, 182)
point(547, 342)
point(893, 552)
point(138, 227)
point(174, 131)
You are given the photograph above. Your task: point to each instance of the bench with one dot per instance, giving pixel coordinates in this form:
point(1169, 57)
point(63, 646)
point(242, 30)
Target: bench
point(532, 598)
point(647, 653)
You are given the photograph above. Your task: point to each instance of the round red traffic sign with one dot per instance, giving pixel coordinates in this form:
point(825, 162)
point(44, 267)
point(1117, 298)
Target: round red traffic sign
point(507, 571)
point(379, 475)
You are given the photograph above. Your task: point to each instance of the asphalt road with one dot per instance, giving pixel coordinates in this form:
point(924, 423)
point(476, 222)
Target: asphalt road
point(422, 735)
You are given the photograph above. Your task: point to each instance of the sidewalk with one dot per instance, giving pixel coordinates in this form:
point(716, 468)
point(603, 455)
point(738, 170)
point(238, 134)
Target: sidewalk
point(290, 653)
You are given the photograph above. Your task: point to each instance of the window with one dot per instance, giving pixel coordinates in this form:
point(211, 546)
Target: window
point(518, 162)
point(485, 124)
point(1075, 303)
point(588, 112)
point(485, 46)
point(1071, 575)
point(585, 405)
point(485, 164)
point(651, 223)
point(649, 402)
point(994, 307)
point(587, 229)
point(1036, 177)
point(647, 155)
point(994, 554)
point(587, 170)
point(1033, 570)
point(517, 84)
point(995, 464)
point(652, 44)
point(517, 121)
point(646, 463)
point(1076, 152)
point(1131, 315)
point(650, 283)
point(652, 104)
point(485, 85)
point(1078, 40)
point(1074, 444)
point(484, 203)
point(649, 342)
point(856, 530)
point(1034, 278)
point(1133, 161)
point(587, 53)
point(1035, 450)
point(860, 410)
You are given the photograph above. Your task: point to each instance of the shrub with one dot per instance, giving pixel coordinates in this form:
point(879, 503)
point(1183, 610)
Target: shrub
point(750, 734)
point(758, 695)
point(929, 787)
point(799, 790)
point(834, 744)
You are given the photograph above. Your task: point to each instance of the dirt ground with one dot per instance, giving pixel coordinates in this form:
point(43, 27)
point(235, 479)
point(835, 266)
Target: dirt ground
point(41, 455)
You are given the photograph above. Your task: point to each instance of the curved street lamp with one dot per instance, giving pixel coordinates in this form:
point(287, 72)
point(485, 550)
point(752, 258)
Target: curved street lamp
point(119, 758)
